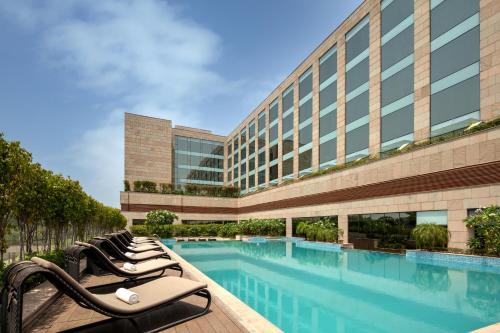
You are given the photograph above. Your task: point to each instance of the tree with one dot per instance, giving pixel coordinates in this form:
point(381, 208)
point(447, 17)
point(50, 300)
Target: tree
point(156, 219)
point(12, 160)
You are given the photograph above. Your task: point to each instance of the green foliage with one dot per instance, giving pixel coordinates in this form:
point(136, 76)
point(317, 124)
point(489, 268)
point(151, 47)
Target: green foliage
point(430, 236)
point(167, 188)
point(157, 219)
point(324, 230)
point(145, 186)
point(188, 189)
point(252, 227)
point(262, 227)
point(36, 198)
point(486, 225)
point(126, 186)
point(229, 230)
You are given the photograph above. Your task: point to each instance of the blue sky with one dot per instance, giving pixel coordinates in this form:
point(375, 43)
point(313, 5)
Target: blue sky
point(70, 69)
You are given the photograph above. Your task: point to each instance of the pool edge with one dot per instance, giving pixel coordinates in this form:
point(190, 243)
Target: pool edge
point(247, 317)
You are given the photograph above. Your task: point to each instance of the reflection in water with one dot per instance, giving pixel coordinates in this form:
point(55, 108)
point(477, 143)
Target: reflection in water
point(483, 292)
point(306, 290)
point(432, 278)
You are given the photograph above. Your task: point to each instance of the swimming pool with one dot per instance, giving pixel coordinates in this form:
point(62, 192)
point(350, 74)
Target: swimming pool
point(308, 290)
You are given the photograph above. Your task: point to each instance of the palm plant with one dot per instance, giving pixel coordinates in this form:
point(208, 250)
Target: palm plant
point(430, 236)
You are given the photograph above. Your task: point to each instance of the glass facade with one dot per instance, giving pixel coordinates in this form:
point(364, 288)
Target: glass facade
point(198, 161)
point(454, 95)
point(328, 108)
point(305, 122)
point(397, 74)
point(261, 153)
point(287, 132)
point(454, 65)
point(357, 92)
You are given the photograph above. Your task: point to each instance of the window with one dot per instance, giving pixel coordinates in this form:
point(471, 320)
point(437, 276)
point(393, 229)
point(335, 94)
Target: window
point(198, 161)
point(262, 120)
point(287, 167)
point(273, 173)
point(455, 99)
point(305, 160)
point(273, 152)
point(273, 111)
point(397, 74)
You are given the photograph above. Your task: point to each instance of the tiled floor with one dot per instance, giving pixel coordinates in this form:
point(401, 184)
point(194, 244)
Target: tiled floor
point(65, 314)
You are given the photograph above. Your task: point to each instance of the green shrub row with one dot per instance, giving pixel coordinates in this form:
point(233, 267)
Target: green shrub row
point(254, 227)
point(146, 186)
point(324, 230)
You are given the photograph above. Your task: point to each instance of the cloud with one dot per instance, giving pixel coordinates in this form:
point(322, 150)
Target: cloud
point(143, 55)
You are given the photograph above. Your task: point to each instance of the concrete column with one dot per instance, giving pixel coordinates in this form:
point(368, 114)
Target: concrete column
point(315, 116)
point(489, 44)
point(374, 101)
point(296, 128)
point(422, 73)
point(343, 225)
point(341, 100)
point(288, 227)
point(459, 234)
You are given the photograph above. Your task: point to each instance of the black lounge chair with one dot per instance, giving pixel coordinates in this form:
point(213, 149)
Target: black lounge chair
point(139, 239)
point(108, 247)
point(124, 247)
point(98, 262)
point(151, 314)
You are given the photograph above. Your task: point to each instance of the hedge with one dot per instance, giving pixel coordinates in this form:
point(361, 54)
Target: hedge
point(254, 227)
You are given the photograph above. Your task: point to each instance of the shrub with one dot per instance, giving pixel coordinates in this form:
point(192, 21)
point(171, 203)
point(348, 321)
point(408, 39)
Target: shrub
point(324, 230)
point(167, 188)
point(145, 186)
point(486, 225)
point(126, 186)
point(157, 219)
point(430, 236)
point(228, 230)
point(264, 227)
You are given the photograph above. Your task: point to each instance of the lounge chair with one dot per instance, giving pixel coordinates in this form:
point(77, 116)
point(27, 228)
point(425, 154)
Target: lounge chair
point(127, 248)
point(107, 246)
point(97, 259)
point(140, 238)
point(126, 240)
point(150, 314)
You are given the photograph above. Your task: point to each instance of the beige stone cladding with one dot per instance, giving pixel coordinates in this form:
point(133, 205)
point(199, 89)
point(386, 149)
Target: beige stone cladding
point(490, 58)
point(148, 149)
point(422, 70)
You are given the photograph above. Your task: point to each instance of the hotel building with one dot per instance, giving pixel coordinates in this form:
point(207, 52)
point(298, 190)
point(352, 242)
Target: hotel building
point(394, 72)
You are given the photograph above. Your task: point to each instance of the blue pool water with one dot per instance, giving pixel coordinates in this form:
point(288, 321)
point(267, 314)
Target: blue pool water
point(308, 290)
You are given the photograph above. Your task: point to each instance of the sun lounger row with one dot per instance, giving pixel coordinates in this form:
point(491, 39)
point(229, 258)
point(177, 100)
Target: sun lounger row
point(138, 303)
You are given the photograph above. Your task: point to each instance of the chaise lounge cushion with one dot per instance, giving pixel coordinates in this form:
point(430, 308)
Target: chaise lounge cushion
point(151, 294)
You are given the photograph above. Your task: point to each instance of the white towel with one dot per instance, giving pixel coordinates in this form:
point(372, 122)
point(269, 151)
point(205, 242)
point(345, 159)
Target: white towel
point(127, 296)
point(130, 254)
point(129, 267)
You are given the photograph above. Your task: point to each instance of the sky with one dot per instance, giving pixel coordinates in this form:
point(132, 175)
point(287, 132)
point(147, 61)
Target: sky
point(70, 69)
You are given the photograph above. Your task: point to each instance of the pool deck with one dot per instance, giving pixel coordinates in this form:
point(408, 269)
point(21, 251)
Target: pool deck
point(65, 314)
